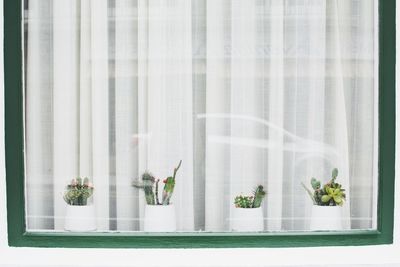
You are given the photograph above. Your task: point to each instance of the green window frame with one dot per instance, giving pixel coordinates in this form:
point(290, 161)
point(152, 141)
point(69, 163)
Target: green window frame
point(14, 152)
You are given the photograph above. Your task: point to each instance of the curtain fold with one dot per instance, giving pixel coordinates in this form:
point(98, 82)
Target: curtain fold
point(169, 100)
point(243, 92)
point(126, 112)
point(217, 95)
point(276, 104)
point(38, 117)
point(65, 101)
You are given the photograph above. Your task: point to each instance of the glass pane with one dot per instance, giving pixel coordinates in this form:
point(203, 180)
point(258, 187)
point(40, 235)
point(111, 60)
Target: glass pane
point(243, 93)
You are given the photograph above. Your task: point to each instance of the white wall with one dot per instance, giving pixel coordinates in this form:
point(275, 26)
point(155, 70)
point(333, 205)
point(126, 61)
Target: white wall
point(344, 256)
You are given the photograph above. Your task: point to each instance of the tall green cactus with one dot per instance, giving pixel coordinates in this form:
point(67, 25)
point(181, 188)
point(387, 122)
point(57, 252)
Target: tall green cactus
point(259, 195)
point(149, 184)
point(157, 200)
point(146, 184)
point(169, 185)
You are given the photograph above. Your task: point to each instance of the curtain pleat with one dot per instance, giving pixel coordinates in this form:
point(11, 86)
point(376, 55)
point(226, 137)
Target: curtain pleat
point(217, 95)
point(38, 117)
point(65, 101)
point(100, 111)
point(169, 116)
point(126, 113)
point(246, 157)
point(143, 136)
point(276, 106)
point(85, 91)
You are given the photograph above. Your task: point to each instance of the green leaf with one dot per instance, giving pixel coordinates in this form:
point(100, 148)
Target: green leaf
point(338, 199)
point(325, 198)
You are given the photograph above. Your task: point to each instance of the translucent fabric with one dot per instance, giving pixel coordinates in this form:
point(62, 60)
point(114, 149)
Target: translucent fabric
point(244, 92)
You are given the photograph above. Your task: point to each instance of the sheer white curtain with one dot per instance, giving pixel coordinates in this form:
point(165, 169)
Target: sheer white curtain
point(244, 92)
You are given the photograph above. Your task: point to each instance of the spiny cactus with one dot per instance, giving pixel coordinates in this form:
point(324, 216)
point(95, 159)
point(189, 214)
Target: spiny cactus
point(169, 185)
point(150, 186)
point(253, 201)
point(157, 200)
point(245, 202)
point(315, 184)
point(331, 194)
point(259, 195)
point(78, 192)
point(146, 184)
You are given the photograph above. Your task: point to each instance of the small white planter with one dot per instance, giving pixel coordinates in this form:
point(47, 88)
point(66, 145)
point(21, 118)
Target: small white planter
point(80, 218)
point(326, 218)
point(159, 218)
point(247, 220)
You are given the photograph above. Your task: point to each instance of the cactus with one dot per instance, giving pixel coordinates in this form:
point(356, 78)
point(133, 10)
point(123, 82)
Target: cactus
point(169, 185)
point(78, 192)
point(146, 184)
point(157, 200)
point(315, 184)
point(245, 202)
point(150, 186)
point(259, 195)
point(251, 201)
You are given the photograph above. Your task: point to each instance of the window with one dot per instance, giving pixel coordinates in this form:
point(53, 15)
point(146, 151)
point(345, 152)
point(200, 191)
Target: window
point(245, 93)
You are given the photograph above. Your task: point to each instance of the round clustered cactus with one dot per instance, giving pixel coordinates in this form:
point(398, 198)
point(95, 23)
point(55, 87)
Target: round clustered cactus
point(78, 192)
point(245, 202)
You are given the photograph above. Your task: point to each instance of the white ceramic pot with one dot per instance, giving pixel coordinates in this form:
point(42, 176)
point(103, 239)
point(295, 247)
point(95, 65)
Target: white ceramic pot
point(80, 218)
point(159, 218)
point(247, 220)
point(326, 218)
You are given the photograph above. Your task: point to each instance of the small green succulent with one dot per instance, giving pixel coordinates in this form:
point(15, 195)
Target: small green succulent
point(245, 202)
point(78, 192)
point(335, 194)
point(331, 194)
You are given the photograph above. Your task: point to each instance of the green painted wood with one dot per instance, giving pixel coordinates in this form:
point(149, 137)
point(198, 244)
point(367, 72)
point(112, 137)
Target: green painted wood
point(18, 237)
point(13, 110)
point(387, 117)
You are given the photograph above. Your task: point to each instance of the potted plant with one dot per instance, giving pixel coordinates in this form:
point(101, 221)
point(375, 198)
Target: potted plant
point(159, 216)
point(247, 214)
point(326, 213)
point(80, 216)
